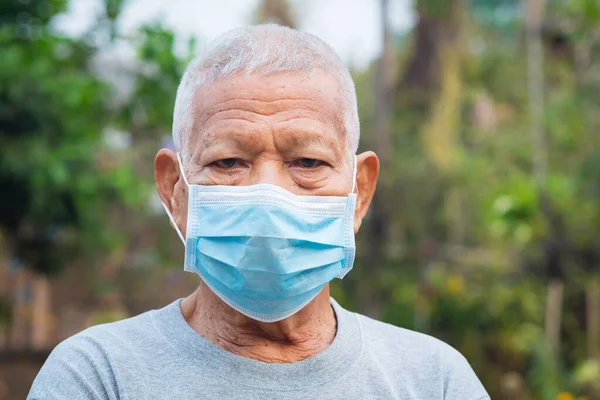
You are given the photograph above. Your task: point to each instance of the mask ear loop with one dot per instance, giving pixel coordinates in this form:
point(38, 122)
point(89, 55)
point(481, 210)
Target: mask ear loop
point(354, 175)
point(182, 170)
point(167, 210)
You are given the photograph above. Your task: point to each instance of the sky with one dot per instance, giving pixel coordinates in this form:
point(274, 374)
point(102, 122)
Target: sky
point(351, 27)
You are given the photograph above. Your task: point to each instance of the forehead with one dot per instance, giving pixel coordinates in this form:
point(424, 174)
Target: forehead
point(312, 101)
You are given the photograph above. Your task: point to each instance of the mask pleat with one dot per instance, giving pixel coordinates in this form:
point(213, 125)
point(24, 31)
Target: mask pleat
point(269, 255)
point(248, 286)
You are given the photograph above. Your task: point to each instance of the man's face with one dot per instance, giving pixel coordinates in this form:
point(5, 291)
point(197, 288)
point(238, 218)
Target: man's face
point(285, 129)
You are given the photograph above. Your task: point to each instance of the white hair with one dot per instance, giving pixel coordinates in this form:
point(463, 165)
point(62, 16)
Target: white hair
point(262, 49)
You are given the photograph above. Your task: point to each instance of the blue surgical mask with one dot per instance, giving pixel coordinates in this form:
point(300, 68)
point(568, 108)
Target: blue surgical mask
point(264, 251)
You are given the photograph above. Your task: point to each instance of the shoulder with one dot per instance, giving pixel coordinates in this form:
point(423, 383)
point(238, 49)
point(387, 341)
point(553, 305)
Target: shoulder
point(86, 364)
point(105, 342)
point(401, 339)
point(421, 355)
point(107, 338)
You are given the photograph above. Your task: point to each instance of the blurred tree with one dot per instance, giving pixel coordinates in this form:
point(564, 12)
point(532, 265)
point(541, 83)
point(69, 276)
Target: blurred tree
point(378, 222)
point(147, 115)
point(464, 206)
point(53, 114)
point(428, 100)
point(276, 12)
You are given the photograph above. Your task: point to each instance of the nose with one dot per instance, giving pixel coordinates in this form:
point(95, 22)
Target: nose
point(268, 171)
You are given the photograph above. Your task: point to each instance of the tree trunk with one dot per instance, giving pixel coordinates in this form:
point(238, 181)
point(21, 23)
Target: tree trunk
point(41, 329)
point(535, 78)
point(275, 11)
point(593, 318)
point(5, 291)
point(382, 103)
point(553, 245)
point(19, 327)
point(554, 300)
point(433, 82)
point(441, 131)
point(380, 216)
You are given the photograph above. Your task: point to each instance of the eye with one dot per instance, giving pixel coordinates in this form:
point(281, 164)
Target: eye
point(309, 163)
point(227, 163)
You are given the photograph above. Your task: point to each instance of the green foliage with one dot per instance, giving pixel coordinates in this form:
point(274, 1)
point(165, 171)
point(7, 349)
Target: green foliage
point(503, 14)
point(469, 252)
point(53, 112)
point(36, 12)
point(156, 85)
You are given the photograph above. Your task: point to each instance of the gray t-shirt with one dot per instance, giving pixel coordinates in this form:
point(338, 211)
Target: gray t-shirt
point(157, 355)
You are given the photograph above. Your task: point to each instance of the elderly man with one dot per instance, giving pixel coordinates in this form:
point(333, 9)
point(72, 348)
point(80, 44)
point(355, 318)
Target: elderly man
point(266, 193)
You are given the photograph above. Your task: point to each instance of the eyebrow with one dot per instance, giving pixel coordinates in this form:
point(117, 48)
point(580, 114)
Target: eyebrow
point(230, 133)
point(307, 139)
point(306, 135)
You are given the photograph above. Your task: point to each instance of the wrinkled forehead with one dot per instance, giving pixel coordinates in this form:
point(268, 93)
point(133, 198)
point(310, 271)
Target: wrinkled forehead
point(310, 102)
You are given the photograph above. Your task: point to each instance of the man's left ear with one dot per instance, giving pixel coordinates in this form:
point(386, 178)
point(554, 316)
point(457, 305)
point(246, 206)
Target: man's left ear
point(367, 172)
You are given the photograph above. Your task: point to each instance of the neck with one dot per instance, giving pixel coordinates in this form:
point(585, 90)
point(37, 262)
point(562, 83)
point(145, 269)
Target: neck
point(304, 334)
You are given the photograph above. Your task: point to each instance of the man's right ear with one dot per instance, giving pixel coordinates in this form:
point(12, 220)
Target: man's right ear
point(166, 175)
